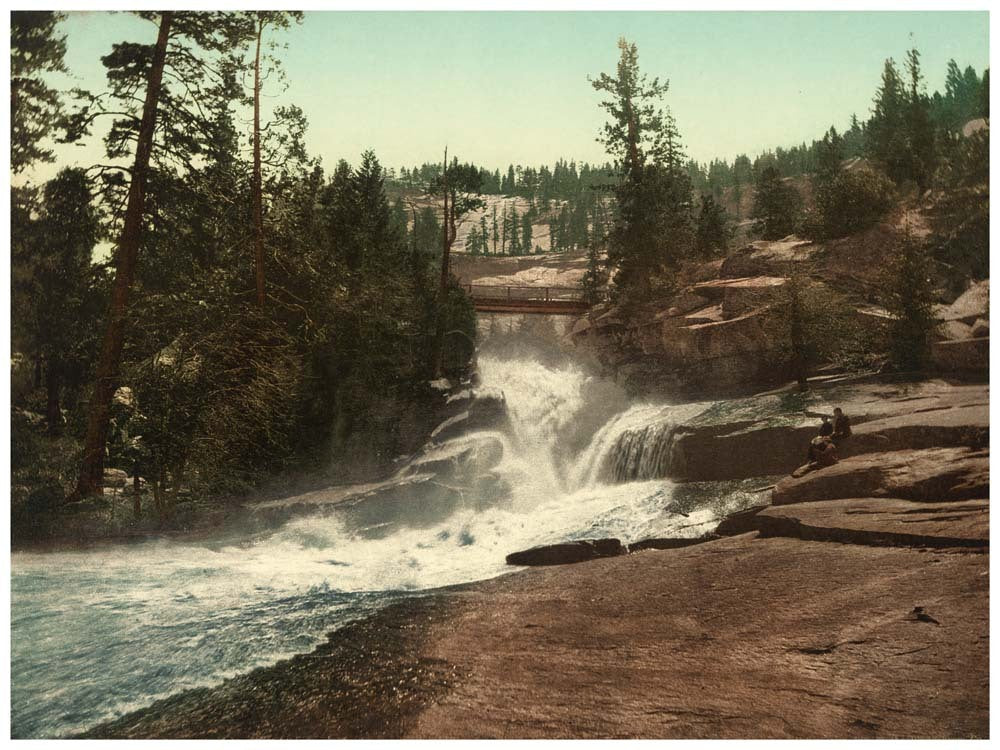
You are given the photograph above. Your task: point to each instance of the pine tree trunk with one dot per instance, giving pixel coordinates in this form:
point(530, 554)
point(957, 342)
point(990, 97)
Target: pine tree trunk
point(258, 199)
point(92, 470)
point(445, 271)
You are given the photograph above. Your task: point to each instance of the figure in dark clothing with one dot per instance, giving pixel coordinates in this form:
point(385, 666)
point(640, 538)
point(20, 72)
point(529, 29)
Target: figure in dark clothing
point(826, 428)
point(841, 425)
point(822, 452)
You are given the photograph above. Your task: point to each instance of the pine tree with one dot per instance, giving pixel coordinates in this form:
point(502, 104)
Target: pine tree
point(829, 156)
point(91, 476)
point(776, 205)
point(887, 130)
point(484, 235)
point(515, 230)
point(712, 232)
point(36, 110)
point(504, 231)
point(909, 298)
point(920, 130)
point(526, 234)
point(52, 286)
point(262, 20)
point(496, 232)
point(593, 277)
point(653, 228)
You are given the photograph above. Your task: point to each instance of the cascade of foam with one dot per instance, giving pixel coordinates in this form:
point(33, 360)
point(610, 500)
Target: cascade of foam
point(124, 626)
point(635, 445)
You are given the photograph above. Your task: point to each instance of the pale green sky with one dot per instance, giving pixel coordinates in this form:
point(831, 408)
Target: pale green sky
point(511, 87)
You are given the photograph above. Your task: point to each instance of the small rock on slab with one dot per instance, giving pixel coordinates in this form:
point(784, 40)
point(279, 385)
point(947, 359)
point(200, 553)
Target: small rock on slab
point(567, 552)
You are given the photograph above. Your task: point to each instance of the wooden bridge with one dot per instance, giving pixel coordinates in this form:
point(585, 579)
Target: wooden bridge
point(539, 300)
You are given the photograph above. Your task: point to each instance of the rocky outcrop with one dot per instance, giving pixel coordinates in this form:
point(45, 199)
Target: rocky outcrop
point(371, 509)
point(470, 410)
point(740, 295)
point(741, 522)
point(930, 475)
point(459, 460)
point(662, 543)
point(973, 304)
point(970, 355)
point(568, 552)
point(882, 522)
point(758, 437)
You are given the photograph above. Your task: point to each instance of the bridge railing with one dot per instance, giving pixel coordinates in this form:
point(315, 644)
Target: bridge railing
point(491, 293)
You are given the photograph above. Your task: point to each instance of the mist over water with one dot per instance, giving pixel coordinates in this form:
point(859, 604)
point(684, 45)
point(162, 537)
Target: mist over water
point(97, 633)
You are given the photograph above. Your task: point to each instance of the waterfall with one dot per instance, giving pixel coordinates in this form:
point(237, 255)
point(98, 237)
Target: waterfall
point(95, 633)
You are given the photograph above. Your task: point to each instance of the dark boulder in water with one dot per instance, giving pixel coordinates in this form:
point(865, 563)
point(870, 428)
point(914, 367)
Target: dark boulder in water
point(662, 543)
point(568, 552)
point(742, 522)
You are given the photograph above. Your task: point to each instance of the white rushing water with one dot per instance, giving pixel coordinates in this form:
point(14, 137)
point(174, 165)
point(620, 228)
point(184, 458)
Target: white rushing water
point(97, 633)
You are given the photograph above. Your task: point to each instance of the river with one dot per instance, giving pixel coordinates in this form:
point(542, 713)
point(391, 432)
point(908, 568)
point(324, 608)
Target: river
point(97, 633)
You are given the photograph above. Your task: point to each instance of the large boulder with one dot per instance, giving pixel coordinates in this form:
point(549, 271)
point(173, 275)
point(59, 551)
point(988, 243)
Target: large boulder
point(953, 330)
point(716, 340)
point(459, 460)
point(929, 475)
point(375, 509)
point(567, 552)
point(472, 410)
point(972, 304)
point(115, 478)
point(741, 295)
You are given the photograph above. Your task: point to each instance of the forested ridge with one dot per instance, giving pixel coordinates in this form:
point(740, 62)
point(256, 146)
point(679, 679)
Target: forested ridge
point(262, 311)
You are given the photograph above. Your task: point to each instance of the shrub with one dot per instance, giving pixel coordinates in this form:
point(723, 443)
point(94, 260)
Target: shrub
point(849, 202)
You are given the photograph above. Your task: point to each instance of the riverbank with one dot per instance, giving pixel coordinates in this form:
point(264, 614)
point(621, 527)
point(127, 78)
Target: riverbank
point(736, 638)
point(878, 564)
point(853, 603)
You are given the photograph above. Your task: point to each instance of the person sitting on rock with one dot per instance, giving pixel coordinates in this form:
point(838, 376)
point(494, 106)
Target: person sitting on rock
point(841, 425)
point(822, 452)
point(826, 428)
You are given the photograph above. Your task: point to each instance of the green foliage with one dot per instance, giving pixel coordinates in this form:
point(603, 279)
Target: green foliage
point(849, 202)
point(653, 229)
point(594, 277)
point(908, 295)
point(36, 110)
point(961, 216)
point(777, 205)
point(56, 290)
point(713, 230)
point(810, 323)
point(900, 134)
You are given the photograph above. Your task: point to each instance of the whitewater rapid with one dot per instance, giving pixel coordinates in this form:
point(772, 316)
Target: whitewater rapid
point(97, 633)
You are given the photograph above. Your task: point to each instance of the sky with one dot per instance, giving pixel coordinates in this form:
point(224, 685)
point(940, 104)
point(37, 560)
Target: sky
point(511, 87)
